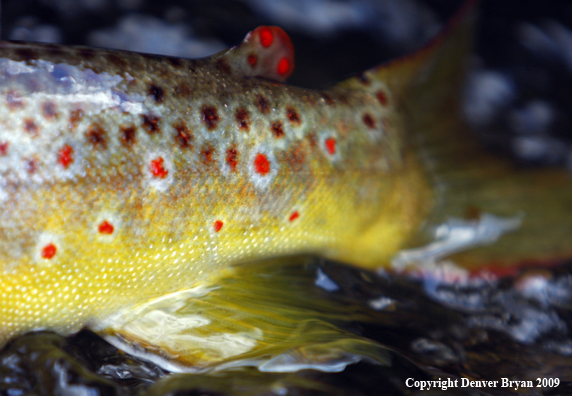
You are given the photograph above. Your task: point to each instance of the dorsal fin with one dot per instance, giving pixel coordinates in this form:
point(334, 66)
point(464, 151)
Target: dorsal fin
point(265, 52)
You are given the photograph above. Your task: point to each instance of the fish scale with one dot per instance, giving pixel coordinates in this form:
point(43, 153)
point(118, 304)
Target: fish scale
point(125, 177)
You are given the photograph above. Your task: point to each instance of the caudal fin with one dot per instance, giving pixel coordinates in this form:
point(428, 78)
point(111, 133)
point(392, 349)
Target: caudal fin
point(489, 212)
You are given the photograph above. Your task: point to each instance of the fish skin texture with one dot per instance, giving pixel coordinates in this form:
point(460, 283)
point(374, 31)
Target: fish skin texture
point(124, 177)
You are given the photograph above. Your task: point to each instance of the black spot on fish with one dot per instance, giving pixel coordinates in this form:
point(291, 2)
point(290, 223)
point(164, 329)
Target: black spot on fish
point(293, 115)
point(243, 118)
point(32, 165)
point(157, 93)
point(30, 127)
point(262, 104)
point(127, 135)
point(75, 116)
point(368, 120)
point(49, 110)
point(183, 136)
point(277, 129)
point(232, 158)
point(207, 154)
point(151, 123)
point(96, 136)
point(210, 117)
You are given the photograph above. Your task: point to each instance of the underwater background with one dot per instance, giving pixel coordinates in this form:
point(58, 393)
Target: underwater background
point(433, 325)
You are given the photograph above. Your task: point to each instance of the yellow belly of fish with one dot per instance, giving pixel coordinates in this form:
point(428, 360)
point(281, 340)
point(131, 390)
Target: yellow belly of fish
point(167, 241)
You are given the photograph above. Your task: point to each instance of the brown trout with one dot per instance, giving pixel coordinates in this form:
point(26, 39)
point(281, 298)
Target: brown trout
point(127, 178)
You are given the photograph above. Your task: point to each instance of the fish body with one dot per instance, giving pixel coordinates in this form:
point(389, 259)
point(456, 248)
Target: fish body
point(131, 184)
point(126, 176)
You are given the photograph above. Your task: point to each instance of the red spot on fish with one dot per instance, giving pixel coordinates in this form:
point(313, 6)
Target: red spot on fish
point(105, 227)
point(276, 128)
point(210, 117)
point(262, 104)
point(96, 136)
point(30, 127)
point(283, 66)
point(292, 115)
point(127, 135)
point(252, 59)
point(232, 158)
point(331, 145)
point(183, 136)
point(261, 164)
point(294, 216)
point(3, 148)
point(50, 110)
point(217, 225)
point(49, 251)
point(266, 36)
point(151, 123)
point(382, 97)
point(368, 120)
point(157, 168)
point(65, 156)
point(243, 118)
